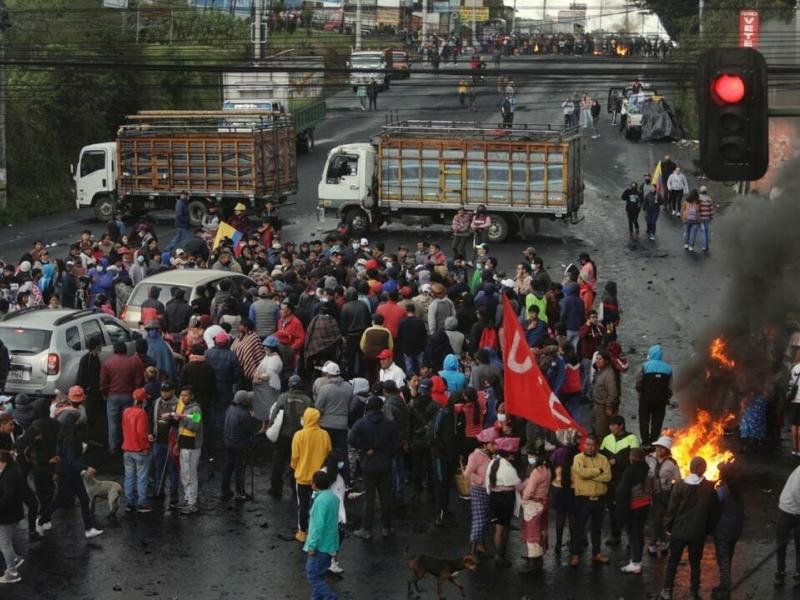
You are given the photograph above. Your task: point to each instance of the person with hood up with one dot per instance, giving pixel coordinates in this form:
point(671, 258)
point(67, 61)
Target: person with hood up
point(310, 447)
point(377, 440)
point(455, 337)
point(177, 313)
point(609, 308)
point(634, 496)
point(573, 312)
point(24, 410)
point(39, 445)
point(421, 414)
point(439, 309)
point(240, 426)
point(728, 529)
point(453, 377)
point(654, 386)
point(158, 349)
point(152, 308)
point(447, 442)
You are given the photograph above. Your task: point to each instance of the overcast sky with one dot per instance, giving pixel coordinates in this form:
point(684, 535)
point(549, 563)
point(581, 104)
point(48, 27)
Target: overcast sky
point(612, 11)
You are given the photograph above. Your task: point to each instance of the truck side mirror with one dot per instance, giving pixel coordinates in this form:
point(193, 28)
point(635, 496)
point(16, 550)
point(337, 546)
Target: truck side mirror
point(71, 169)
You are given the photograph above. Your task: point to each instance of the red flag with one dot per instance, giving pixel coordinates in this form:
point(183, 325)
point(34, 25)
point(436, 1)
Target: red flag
point(527, 393)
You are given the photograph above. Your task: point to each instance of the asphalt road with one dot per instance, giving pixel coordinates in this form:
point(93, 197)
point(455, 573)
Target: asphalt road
point(667, 296)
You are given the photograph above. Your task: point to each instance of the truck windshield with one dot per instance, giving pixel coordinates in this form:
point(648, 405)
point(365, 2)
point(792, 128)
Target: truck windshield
point(341, 165)
point(368, 60)
point(91, 161)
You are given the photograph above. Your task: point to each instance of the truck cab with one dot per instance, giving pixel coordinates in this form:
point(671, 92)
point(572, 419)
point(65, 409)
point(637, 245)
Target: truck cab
point(96, 179)
point(346, 189)
point(369, 65)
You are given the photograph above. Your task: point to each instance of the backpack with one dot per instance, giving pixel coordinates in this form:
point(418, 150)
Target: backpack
point(691, 213)
point(488, 338)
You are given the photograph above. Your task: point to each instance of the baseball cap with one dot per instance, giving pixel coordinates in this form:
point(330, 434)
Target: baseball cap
point(221, 338)
point(384, 354)
point(330, 368)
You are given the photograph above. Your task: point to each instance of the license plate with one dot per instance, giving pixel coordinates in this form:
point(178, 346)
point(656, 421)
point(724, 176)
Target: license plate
point(19, 375)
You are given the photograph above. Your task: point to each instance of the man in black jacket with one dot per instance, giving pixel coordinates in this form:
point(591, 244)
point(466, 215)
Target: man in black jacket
point(11, 513)
point(412, 337)
point(377, 439)
point(240, 426)
point(447, 437)
point(176, 314)
point(353, 320)
point(89, 379)
point(691, 515)
point(39, 446)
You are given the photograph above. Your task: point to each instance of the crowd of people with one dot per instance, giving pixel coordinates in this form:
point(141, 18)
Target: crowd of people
point(368, 374)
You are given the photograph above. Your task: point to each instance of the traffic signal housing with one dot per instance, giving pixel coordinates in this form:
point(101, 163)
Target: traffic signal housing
point(732, 105)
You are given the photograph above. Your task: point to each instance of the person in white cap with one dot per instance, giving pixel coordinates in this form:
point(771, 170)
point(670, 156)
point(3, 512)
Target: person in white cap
point(333, 403)
point(665, 473)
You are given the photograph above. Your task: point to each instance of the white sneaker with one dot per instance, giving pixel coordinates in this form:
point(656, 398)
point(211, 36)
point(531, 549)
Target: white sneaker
point(632, 567)
point(19, 562)
point(686, 246)
point(335, 567)
point(42, 527)
point(9, 578)
point(93, 533)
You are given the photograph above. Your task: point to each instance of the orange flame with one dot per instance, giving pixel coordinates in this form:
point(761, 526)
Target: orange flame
point(702, 438)
point(621, 51)
point(718, 353)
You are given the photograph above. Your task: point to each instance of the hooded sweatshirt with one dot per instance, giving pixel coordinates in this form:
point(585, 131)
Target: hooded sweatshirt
point(654, 381)
point(572, 309)
point(454, 378)
point(310, 447)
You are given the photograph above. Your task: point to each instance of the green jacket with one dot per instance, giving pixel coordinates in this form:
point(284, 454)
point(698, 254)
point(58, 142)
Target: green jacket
point(323, 523)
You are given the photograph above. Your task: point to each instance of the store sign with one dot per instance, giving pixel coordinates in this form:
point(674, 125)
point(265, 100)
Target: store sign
point(749, 25)
point(481, 14)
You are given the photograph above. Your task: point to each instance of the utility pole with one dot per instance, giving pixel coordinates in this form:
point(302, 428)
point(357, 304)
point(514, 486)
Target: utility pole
point(358, 24)
point(700, 7)
point(257, 30)
point(424, 20)
point(4, 25)
point(544, 10)
point(600, 21)
point(514, 18)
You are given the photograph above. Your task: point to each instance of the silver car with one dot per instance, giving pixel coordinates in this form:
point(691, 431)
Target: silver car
point(194, 283)
point(45, 345)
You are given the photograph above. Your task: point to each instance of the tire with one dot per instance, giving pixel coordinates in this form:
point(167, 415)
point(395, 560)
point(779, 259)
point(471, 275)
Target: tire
point(310, 142)
point(197, 210)
point(498, 230)
point(104, 208)
point(357, 221)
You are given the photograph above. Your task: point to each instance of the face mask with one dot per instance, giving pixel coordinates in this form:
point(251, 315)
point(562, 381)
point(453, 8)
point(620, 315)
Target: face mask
point(501, 417)
point(531, 460)
point(323, 300)
point(340, 465)
point(356, 247)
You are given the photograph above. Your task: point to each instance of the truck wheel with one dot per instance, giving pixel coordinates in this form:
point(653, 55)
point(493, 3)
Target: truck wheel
point(197, 210)
point(310, 141)
point(104, 208)
point(498, 230)
point(357, 221)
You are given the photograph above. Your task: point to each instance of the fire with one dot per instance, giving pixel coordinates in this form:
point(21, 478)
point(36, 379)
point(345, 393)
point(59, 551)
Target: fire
point(718, 353)
point(621, 51)
point(702, 438)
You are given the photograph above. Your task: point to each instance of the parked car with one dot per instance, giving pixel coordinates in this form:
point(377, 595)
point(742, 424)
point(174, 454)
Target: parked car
point(45, 345)
point(194, 283)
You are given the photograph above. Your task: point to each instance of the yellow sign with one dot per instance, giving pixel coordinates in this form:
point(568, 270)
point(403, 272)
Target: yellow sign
point(481, 14)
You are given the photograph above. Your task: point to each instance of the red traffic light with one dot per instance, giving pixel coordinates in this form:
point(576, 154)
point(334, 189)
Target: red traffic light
point(729, 89)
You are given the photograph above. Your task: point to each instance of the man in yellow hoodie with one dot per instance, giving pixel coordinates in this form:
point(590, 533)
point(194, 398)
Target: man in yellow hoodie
point(310, 447)
point(591, 473)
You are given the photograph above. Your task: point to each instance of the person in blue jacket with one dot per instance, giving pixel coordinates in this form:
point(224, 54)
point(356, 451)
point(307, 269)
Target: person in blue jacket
point(654, 385)
point(323, 536)
point(455, 379)
point(159, 350)
point(572, 312)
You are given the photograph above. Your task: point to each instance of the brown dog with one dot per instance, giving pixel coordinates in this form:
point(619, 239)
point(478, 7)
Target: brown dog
point(442, 568)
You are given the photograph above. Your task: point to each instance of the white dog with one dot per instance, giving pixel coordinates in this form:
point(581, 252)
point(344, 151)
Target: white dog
point(102, 489)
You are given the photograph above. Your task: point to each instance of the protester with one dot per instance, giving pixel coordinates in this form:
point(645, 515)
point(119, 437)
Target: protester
point(634, 495)
point(136, 441)
point(535, 504)
point(11, 513)
point(665, 473)
point(502, 484)
point(310, 447)
point(189, 415)
point(692, 513)
point(240, 426)
point(654, 386)
point(590, 472)
point(788, 526)
point(322, 542)
point(728, 528)
point(616, 447)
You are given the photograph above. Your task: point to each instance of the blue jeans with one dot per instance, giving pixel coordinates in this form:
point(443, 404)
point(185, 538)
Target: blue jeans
point(586, 377)
point(181, 236)
point(137, 475)
point(573, 337)
point(115, 405)
point(161, 459)
point(691, 233)
point(316, 568)
point(412, 362)
point(398, 474)
point(704, 231)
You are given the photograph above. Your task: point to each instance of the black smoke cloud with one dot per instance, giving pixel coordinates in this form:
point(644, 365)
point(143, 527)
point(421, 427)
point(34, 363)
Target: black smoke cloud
point(757, 242)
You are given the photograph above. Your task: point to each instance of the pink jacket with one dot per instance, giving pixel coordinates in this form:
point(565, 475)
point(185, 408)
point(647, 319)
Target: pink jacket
point(475, 470)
